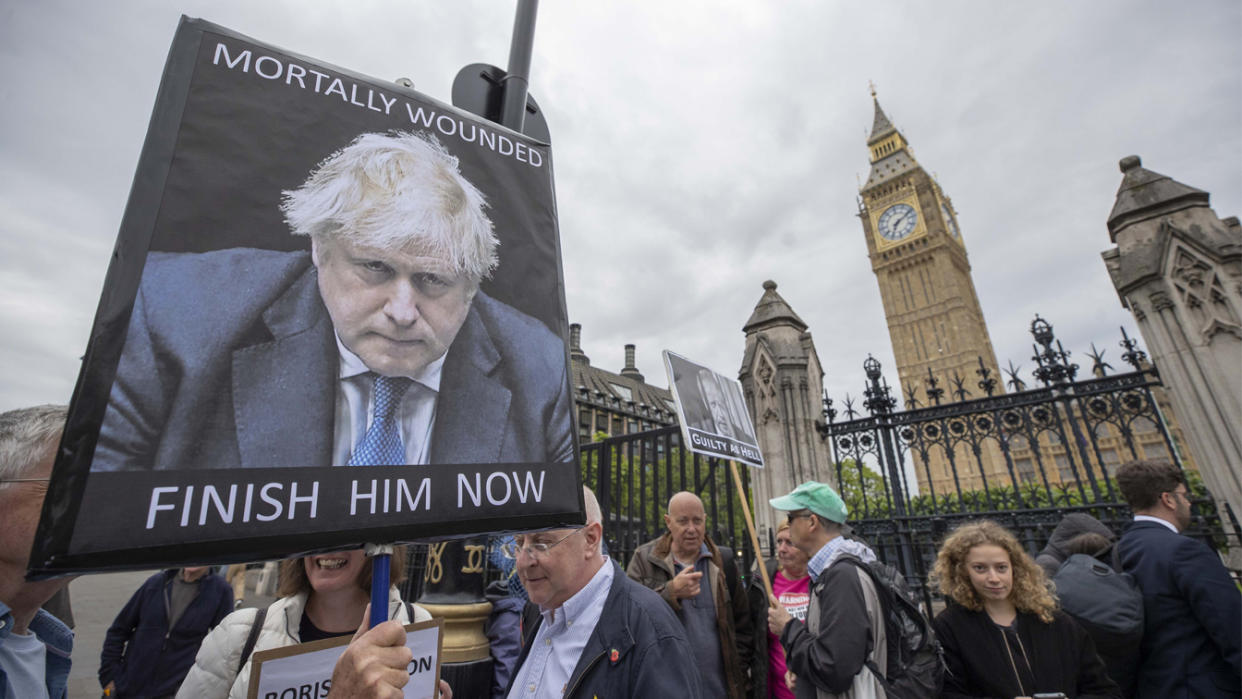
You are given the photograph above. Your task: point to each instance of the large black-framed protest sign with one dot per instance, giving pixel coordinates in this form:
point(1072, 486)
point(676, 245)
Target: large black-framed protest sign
point(712, 412)
point(316, 269)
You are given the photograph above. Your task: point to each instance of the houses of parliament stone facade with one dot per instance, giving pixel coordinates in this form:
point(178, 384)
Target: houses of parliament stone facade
point(611, 404)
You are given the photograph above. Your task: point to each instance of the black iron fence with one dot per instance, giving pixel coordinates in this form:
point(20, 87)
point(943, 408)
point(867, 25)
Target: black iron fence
point(1024, 459)
point(634, 476)
point(1032, 455)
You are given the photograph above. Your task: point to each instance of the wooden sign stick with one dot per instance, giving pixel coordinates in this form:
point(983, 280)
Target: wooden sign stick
point(750, 527)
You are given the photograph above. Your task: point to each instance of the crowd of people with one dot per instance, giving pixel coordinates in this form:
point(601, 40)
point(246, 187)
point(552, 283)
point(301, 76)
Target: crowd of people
point(680, 620)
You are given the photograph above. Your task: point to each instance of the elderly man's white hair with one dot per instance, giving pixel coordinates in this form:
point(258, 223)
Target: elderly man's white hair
point(396, 191)
point(28, 435)
point(593, 513)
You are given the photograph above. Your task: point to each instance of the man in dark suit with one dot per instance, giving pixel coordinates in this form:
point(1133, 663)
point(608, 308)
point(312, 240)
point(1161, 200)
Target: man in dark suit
point(377, 347)
point(1192, 635)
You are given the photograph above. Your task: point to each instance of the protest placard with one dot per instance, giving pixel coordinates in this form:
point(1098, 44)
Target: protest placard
point(713, 416)
point(304, 671)
point(715, 422)
point(316, 270)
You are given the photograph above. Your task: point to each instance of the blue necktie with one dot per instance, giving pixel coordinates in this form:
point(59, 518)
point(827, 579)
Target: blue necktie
point(381, 445)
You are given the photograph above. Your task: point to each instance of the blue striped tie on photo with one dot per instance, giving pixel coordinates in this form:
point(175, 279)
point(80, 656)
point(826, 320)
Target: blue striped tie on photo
point(381, 445)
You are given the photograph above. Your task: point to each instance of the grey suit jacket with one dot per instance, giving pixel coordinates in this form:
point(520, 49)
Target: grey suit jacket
point(230, 361)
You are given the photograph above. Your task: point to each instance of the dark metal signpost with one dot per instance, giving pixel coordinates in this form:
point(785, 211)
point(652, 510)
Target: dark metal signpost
point(454, 575)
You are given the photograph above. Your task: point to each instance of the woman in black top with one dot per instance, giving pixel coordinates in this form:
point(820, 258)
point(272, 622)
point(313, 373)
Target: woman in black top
point(1002, 633)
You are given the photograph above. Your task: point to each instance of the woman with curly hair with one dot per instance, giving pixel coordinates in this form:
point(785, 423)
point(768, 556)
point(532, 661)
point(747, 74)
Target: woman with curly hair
point(1002, 633)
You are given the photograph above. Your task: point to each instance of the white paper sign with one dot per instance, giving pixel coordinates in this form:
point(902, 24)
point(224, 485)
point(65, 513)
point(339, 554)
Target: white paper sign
point(305, 671)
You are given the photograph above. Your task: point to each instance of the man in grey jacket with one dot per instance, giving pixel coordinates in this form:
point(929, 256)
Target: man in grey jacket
point(844, 628)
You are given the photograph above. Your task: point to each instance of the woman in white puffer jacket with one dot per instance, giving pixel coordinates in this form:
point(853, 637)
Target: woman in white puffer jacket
point(322, 596)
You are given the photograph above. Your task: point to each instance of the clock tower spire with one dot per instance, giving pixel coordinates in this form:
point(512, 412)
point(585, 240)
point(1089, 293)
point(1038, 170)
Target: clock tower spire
point(885, 140)
point(934, 318)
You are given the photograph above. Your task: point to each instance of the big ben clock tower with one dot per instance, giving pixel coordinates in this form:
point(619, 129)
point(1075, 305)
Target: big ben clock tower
point(919, 259)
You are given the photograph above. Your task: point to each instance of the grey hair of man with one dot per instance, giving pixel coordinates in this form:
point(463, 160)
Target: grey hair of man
point(27, 436)
point(396, 191)
point(593, 513)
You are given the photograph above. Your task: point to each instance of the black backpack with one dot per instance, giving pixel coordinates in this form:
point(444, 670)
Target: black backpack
point(915, 659)
point(1094, 592)
point(1109, 606)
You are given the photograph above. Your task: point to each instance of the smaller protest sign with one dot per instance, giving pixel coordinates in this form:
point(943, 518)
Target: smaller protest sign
point(713, 415)
point(715, 422)
point(304, 671)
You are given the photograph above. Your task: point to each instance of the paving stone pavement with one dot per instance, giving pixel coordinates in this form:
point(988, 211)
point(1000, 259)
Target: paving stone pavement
point(96, 601)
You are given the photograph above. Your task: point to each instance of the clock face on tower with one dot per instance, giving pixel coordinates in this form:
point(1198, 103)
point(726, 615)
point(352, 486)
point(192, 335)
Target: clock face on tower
point(897, 221)
point(948, 220)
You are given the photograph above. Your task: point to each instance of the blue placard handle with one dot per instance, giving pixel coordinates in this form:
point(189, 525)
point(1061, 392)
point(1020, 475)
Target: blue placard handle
point(381, 555)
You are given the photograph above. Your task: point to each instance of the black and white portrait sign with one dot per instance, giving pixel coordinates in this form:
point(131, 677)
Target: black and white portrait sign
point(335, 314)
point(713, 415)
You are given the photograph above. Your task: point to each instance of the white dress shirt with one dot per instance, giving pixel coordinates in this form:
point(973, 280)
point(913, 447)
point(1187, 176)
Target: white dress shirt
point(562, 636)
point(1149, 518)
point(355, 398)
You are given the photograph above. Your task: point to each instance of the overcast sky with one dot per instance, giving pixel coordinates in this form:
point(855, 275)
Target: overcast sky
point(700, 148)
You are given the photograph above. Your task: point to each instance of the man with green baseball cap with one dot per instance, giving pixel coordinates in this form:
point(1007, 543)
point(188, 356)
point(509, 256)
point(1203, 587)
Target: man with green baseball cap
point(819, 498)
point(826, 655)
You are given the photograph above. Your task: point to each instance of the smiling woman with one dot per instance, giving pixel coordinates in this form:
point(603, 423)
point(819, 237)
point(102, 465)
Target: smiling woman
point(321, 596)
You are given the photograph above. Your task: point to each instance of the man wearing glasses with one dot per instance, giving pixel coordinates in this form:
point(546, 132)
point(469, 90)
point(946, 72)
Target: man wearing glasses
point(34, 645)
point(1192, 625)
point(589, 630)
point(826, 655)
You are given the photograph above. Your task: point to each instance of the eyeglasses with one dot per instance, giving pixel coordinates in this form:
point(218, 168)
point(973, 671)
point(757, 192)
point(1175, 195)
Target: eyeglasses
point(540, 549)
point(795, 515)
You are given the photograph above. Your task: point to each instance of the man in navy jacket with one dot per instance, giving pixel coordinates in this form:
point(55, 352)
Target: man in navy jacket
point(146, 656)
point(1192, 636)
point(590, 631)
